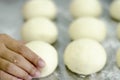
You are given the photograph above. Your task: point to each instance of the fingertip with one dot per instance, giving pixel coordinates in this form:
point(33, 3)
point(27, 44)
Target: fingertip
point(37, 74)
point(41, 63)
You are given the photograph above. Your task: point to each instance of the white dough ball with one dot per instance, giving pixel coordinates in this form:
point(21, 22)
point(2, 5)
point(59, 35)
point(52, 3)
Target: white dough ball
point(39, 29)
point(39, 8)
point(88, 27)
point(47, 53)
point(83, 8)
point(115, 9)
point(118, 31)
point(85, 56)
point(118, 58)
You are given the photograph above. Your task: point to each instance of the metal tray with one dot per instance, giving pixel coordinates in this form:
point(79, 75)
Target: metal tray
point(11, 21)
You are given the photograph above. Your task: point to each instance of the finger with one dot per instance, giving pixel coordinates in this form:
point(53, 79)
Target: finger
point(24, 51)
point(6, 76)
point(21, 41)
point(20, 62)
point(31, 56)
point(13, 70)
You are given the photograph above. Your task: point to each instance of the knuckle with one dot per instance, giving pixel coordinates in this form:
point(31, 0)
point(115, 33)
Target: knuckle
point(18, 58)
point(35, 60)
point(32, 70)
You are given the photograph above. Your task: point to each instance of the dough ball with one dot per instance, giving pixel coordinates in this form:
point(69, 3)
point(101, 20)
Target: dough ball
point(39, 8)
point(85, 56)
point(83, 8)
point(47, 53)
point(118, 30)
point(115, 9)
point(88, 27)
point(39, 29)
point(118, 58)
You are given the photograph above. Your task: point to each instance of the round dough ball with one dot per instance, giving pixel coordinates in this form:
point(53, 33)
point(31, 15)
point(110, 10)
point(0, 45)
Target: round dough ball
point(39, 29)
point(85, 56)
point(118, 58)
point(118, 31)
point(39, 8)
point(47, 53)
point(115, 9)
point(83, 8)
point(88, 27)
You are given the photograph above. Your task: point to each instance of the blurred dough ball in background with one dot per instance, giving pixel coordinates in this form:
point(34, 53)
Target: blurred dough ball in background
point(118, 58)
point(81, 8)
point(47, 53)
point(85, 56)
point(39, 8)
point(88, 27)
point(115, 9)
point(118, 31)
point(39, 29)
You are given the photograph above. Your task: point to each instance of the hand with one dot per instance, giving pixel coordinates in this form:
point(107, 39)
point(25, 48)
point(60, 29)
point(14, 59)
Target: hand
point(17, 62)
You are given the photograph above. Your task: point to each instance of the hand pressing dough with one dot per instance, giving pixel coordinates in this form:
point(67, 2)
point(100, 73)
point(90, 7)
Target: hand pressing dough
point(39, 8)
point(115, 9)
point(39, 29)
point(83, 8)
point(88, 27)
point(47, 53)
point(85, 56)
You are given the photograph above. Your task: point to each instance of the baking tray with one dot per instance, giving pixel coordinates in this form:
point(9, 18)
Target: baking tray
point(11, 21)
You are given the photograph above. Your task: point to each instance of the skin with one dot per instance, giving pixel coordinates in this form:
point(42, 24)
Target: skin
point(17, 62)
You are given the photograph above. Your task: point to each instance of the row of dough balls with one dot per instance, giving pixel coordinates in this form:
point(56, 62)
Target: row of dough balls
point(115, 13)
point(85, 55)
point(118, 52)
point(39, 31)
point(79, 8)
point(86, 31)
point(39, 26)
point(86, 24)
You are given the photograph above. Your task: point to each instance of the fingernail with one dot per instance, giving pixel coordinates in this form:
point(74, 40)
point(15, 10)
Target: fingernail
point(29, 78)
point(41, 63)
point(37, 74)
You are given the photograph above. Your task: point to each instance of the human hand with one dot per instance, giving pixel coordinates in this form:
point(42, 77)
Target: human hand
point(17, 62)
